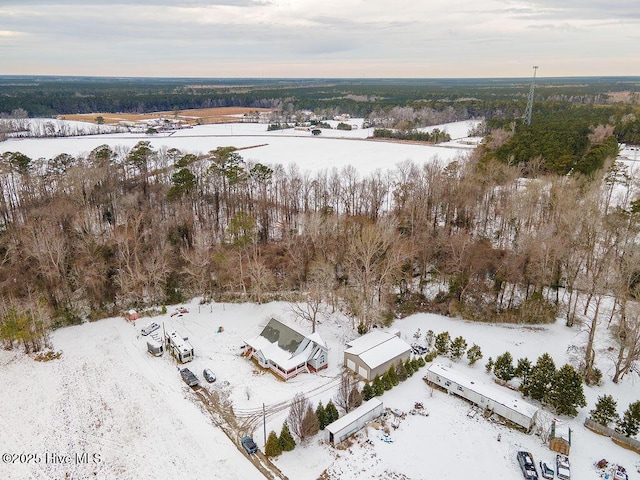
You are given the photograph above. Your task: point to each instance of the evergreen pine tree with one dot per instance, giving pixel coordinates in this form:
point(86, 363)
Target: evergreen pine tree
point(378, 386)
point(605, 411)
point(629, 424)
point(429, 338)
point(401, 371)
point(421, 362)
point(443, 343)
point(415, 364)
point(355, 397)
point(458, 348)
point(287, 443)
point(273, 448)
point(387, 384)
point(393, 376)
point(523, 368)
point(332, 412)
point(538, 383)
point(503, 368)
point(409, 367)
point(321, 413)
point(368, 392)
point(489, 366)
point(566, 391)
point(474, 354)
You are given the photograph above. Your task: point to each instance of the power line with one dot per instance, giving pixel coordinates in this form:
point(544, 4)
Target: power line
point(527, 112)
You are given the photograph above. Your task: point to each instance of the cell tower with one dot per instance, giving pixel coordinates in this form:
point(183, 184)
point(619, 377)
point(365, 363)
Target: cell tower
point(527, 112)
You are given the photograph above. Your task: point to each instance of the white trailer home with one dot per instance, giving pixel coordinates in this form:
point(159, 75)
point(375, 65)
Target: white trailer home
point(353, 421)
point(493, 398)
point(179, 347)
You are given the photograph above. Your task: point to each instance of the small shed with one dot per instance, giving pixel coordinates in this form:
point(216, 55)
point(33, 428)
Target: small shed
point(492, 398)
point(353, 421)
point(373, 353)
point(560, 437)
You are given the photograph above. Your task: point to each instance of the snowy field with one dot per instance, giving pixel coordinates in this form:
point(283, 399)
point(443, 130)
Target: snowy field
point(333, 148)
point(107, 397)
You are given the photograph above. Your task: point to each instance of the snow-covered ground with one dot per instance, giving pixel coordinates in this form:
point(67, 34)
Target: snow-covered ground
point(333, 148)
point(106, 396)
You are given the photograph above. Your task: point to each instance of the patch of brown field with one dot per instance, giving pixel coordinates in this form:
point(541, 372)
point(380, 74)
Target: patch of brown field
point(191, 116)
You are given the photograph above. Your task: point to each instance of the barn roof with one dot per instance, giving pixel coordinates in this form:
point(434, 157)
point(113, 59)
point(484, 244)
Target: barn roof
point(377, 348)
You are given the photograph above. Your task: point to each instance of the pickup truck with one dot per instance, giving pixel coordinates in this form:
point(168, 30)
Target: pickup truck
point(189, 377)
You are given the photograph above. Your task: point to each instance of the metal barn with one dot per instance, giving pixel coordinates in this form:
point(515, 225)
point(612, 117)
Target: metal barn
point(353, 421)
point(493, 398)
point(373, 353)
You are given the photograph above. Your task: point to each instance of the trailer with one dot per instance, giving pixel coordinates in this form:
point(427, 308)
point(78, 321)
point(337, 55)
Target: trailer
point(179, 346)
point(155, 348)
point(490, 398)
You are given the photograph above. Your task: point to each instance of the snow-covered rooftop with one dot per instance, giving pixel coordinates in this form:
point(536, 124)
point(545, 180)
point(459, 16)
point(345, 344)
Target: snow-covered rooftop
point(498, 394)
point(377, 347)
point(279, 343)
point(362, 410)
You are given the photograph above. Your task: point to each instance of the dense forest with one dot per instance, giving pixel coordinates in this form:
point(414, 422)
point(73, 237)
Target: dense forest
point(539, 222)
point(472, 98)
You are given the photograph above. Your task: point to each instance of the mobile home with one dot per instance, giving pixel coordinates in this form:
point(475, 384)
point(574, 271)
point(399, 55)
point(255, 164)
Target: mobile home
point(493, 398)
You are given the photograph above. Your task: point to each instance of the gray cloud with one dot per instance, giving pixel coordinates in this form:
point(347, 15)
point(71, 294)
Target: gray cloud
point(200, 37)
point(589, 9)
point(154, 3)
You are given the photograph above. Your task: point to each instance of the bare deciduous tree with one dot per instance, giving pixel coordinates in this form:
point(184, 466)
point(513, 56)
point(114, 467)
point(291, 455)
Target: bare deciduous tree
point(344, 397)
point(297, 411)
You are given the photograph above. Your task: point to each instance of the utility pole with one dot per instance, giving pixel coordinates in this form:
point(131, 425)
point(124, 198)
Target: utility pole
point(527, 112)
point(264, 424)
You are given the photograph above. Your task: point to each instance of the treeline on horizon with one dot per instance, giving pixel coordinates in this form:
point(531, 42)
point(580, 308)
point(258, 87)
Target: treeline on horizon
point(51, 96)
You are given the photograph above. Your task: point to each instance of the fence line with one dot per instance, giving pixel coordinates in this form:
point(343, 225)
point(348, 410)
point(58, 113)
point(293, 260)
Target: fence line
point(617, 437)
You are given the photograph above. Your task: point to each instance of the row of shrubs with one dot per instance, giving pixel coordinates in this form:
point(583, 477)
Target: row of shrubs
point(392, 377)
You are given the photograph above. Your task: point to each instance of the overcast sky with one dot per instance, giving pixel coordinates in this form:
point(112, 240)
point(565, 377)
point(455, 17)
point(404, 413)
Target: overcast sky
point(320, 38)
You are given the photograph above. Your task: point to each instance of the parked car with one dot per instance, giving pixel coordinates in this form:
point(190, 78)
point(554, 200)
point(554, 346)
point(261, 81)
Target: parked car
point(208, 375)
point(189, 377)
point(563, 469)
point(249, 445)
point(546, 470)
point(527, 465)
point(152, 327)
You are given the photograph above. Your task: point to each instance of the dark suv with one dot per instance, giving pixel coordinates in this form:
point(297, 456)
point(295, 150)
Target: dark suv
point(249, 445)
point(525, 459)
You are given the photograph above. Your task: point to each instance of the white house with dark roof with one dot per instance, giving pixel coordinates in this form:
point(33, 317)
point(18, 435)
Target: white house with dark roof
point(286, 351)
point(373, 353)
